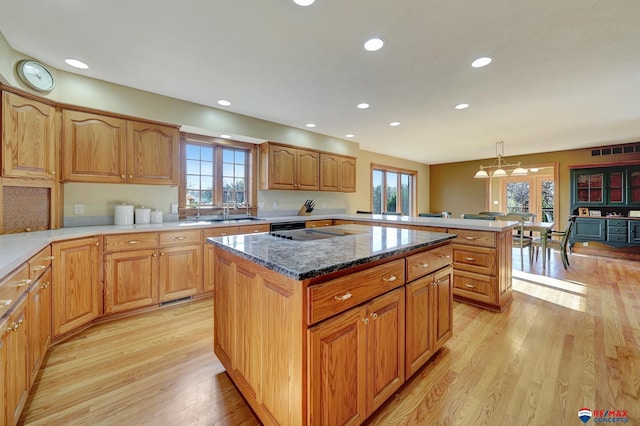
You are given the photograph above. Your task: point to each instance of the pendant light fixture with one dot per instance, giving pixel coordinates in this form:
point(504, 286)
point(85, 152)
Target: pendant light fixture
point(499, 167)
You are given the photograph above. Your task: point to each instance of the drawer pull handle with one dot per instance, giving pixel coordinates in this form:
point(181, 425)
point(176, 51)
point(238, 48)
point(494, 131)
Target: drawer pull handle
point(133, 242)
point(15, 326)
point(180, 238)
point(365, 321)
point(39, 267)
point(45, 285)
point(345, 296)
point(445, 256)
point(470, 259)
point(22, 283)
point(470, 286)
point(374, 315)
point(469, 238)
point(391, 279)
point(5, 302)
point(424, 265)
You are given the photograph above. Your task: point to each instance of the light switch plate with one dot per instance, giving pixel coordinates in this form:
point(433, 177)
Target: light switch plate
point(78, 209)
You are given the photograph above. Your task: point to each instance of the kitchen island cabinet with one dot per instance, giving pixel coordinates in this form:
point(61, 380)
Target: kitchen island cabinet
point(313, 332)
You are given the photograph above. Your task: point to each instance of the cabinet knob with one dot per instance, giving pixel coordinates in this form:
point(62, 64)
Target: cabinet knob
point(161, 254)
point(45, 285)
point(424, 265)
point(374, 315)
point(53, 172)
point(470, 259)
point(470, 286)
point(154, 255)
point(122, 176)
point(130, 176)
point(365, 321)
point(27, 229)
point(48, 258)
point(96, 244)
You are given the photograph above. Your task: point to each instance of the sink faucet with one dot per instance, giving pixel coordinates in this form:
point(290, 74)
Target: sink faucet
point(225, 207)
point(197, 211)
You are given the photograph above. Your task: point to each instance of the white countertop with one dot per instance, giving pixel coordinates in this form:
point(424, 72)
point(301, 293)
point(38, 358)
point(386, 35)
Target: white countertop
point(15, 249)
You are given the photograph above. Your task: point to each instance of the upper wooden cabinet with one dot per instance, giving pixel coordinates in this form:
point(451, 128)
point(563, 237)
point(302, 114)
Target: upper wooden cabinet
point(28, 138)
point(107, 149)
point(285, 167)
point(337, 173)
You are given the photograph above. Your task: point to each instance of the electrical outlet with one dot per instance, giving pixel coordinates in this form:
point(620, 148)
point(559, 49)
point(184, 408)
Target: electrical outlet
point(174, 208)
point(585, 244)
point(78, 209)
point(275, 205)
point(261, 205)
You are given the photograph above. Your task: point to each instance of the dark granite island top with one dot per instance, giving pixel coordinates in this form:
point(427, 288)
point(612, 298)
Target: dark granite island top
point(302, 260)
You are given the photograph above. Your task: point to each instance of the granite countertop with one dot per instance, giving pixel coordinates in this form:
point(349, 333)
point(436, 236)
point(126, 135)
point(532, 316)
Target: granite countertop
point(15, 249)
point(308, 259)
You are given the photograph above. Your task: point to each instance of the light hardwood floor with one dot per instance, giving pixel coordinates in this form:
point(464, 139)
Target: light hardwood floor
point(569, 340)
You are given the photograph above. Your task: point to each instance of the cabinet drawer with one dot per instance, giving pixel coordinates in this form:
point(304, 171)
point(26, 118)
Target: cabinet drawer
point(253, 229)
point(474, 238)
point(426, 262)
point(143, 240)
point(12, 287)
point(618, 238)
point(318, 223)
point(174, 238)
point(39, 263)
point(221, 232)
point(481, 260)
point(617, 230)
point(474, 286)
point(340, 294)
point(617, 222)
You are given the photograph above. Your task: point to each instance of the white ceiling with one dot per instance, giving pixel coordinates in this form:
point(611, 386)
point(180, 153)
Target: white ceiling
point(566, 74)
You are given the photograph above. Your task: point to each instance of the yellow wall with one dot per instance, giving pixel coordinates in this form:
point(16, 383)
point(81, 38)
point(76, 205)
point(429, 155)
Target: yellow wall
point(99, 199)
point(453, 187)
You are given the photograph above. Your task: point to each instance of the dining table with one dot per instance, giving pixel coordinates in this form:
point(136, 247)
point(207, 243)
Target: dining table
point(543, 228)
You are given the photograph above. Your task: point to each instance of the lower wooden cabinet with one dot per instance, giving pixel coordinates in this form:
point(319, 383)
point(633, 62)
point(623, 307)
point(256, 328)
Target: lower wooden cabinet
point(76, 293)
point(130, 280)
point(39, 322)
point(17, 373)
point(180, 271)
point(3, 370)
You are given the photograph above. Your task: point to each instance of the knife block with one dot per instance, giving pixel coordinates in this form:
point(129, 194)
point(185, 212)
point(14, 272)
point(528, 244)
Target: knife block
point(303, 211)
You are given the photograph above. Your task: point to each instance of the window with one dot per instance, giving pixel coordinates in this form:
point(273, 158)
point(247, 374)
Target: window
point(216, 171)
point(392, 190)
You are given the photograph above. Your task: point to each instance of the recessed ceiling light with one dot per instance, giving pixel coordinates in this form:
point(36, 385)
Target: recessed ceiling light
point(373, 44)
point(225, 136)
point(462, 106)
point(349, 135)
point(481, 62)
point(304, 2)
point(224, 102)
point(310, 125)
point(394, 124)
point(363, 105)
point(76, 64)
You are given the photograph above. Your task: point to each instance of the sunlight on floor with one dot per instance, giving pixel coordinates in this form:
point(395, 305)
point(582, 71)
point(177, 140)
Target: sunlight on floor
point(560, 292)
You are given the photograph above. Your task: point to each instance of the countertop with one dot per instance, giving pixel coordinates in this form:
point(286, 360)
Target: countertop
point(15, 249)
point(301, 260)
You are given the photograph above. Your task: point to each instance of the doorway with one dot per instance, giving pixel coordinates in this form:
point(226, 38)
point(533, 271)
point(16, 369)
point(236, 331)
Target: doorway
point(534, 193)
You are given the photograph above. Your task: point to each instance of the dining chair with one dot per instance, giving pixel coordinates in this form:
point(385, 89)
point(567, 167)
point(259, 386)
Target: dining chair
point(559, 243)
point(492, 213)
point(518, 239)
point(430, 214)
point(392, 213)
point(363, 212)
point(477, 216)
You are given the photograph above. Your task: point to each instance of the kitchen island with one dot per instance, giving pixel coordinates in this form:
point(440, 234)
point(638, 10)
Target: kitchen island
point(322, 329)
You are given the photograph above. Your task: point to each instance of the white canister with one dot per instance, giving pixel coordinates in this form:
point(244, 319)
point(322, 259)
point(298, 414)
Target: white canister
point(123, 215)
point(156, 216)
point(143, 216)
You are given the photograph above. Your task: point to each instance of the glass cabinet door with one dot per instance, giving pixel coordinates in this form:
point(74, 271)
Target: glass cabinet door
point(634, 186)
point(590, 187)
point(616, 187)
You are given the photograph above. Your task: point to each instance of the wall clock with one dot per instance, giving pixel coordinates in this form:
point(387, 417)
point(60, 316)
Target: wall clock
point(36, 75)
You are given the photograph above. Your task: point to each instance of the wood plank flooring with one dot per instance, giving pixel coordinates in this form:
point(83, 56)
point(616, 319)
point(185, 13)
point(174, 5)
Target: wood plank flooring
point(570, 339)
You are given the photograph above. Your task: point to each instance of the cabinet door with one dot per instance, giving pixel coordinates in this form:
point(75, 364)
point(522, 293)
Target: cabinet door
point(76, 294)
point(180, 271)
point(419, 344)
point(337, 370)
point(347, 174)
point(130, 280)
point(442, 307)
point(94, 147)
point(385, 348)
point(634, 231)
point(329, 171)
point(17, 362)
point(634, 187)
point(28, 137)
point(224, 308)
point(3, 370)
point(152, 154)
point(589, 230)
point(282, 167)
point(39, 323)
point(616, 189)
point(307, 165)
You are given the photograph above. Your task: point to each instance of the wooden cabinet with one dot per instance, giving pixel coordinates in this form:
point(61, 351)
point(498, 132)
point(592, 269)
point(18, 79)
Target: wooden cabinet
point(93, 147)
point(17, 373)
point(285, 167)
point(77, 293)
point(108, 149)
point(39, 322)
point(180, 271)
point(318, 223)
point(337, 173)
point(28, 138)
point(3, 369)
point(130, 280)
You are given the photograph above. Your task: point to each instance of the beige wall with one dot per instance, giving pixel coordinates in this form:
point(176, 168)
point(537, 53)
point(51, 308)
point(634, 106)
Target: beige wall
point(100, 199)
point(453, 187)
